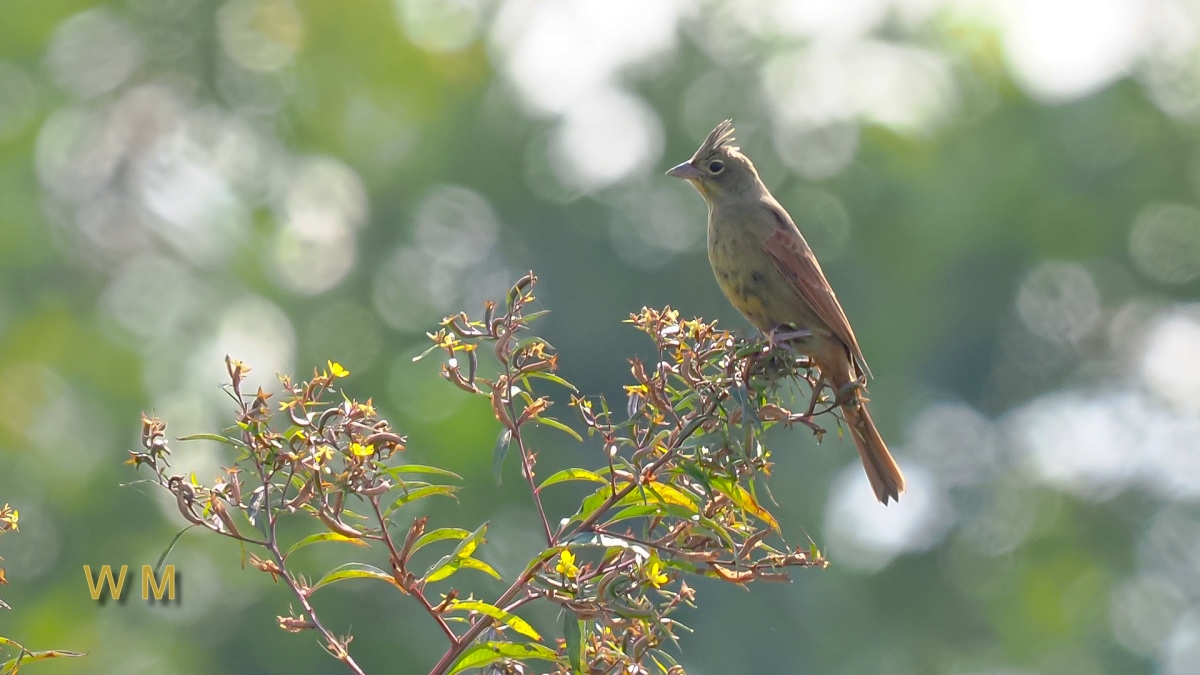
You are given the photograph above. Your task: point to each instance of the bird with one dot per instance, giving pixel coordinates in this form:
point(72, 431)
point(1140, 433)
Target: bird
point(769, 273)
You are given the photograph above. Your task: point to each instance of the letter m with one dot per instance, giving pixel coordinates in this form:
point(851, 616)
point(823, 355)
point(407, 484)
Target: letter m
point(151, 585)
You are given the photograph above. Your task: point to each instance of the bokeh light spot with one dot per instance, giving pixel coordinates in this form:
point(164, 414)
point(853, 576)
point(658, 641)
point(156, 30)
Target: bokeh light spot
point(1170, 548)
point(559, 53)
point(451, 262)
point(1183, 647)
point(260, 35)
point(1078, 444)
point(866, 535)
point(1058, 301)
point(93, 53)
point(1143, 612)
point(1165, 243)
point(252, 330)
point(441, 25)
point(604, 140)
point(322, 206)
point(650, 227)
point(956, 442)
point(1060, 50)
point(1171, 362)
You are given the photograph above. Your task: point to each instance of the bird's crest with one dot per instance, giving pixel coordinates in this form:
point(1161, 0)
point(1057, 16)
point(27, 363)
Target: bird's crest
point(721, 137)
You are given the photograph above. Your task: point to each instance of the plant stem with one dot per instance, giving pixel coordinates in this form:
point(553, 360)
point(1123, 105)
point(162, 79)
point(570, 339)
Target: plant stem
point(418, 593)
point(332, 642)
point(481, 624)
point(692, 426)
point(527, 472)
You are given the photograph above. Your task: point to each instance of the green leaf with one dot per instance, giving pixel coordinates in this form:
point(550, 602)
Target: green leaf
point(413, 484)
point(739, 395)
point(573, 474)
point(551, 422)
point(440, 534)
point(744, 500)
point(353, 570)
point(681, 565)
point(11, 665)
point(394, 471)
point(652, 492)
point(323, 536)
point(532, 339)
point(573, 633)
point(499, 453)
point(490, 652)
point(693, 471)
point(448, 564)
point(665, 493)
point(480, 566)
point(163, 558)
point(511, 620)
point(214, 437)
point(425, 353)
point(647, 510)
point(410, 496)
point(592, 503)
point(552, 378)
point(542, 557)
point(608, 541)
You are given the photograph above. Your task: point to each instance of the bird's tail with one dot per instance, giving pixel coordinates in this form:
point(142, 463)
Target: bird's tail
point(882, 471)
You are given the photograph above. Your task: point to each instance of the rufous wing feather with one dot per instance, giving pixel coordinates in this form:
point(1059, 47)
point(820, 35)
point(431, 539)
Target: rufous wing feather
point(796, 262)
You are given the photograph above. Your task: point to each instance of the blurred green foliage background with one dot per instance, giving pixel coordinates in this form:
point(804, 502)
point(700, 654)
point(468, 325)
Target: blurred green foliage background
point(1003, 194)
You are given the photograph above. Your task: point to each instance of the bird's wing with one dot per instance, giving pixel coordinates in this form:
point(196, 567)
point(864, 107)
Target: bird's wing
point(794, 259)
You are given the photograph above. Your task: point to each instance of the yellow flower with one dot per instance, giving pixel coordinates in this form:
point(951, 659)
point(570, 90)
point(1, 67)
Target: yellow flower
point(8, 519)
point(359, 450)
point(444, 339)
point(655, 575)
point(566, 565)
point(322, 454)
point(336, 369)
point(367, 408)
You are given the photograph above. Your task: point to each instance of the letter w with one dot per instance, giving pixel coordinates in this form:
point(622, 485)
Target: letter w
point(96, 586)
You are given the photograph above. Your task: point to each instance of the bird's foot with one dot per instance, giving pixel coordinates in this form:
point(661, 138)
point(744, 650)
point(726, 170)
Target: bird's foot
point(851, 393)
point(782, 335)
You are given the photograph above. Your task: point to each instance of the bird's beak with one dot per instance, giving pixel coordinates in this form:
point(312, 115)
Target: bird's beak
point(685, 171)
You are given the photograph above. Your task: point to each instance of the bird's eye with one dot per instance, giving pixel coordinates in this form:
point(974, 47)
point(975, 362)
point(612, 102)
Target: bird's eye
point(716, 166)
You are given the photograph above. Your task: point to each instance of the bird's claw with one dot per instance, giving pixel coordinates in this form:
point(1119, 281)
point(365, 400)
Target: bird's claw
point(851, 392)
point(784, 334)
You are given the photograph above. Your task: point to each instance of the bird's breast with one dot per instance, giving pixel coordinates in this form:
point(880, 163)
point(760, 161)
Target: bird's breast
point(750, 279)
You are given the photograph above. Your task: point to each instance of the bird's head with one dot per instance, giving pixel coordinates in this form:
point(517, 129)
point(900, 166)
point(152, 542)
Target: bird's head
point(719, 170)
